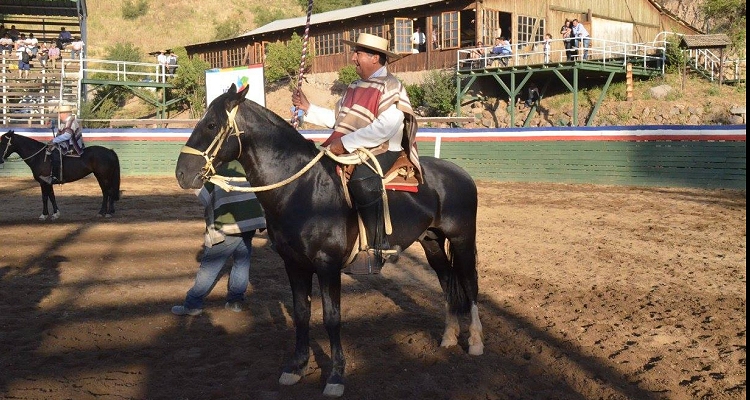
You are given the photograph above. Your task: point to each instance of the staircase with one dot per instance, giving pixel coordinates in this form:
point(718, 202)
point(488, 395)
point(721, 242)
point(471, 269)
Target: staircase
point(31, 101)
point(708, 65)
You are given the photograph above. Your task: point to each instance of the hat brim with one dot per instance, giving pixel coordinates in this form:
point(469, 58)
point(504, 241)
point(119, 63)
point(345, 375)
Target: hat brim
point(388, 54)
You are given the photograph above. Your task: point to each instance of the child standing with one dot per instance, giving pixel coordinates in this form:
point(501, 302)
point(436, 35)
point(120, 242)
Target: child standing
point(547, 47)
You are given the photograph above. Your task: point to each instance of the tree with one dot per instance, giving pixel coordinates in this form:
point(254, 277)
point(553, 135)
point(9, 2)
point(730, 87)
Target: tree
point(190, 82)
point(283, 59)
point(729, 16)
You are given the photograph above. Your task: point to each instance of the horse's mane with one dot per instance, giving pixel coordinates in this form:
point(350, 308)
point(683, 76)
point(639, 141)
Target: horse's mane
point(22, 137)
point(253, 111)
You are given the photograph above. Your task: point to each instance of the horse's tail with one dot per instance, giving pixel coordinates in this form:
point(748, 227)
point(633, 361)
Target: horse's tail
point(115, 177)
point(460, 278)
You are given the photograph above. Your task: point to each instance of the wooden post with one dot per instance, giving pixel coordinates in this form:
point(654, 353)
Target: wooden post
point(629, 82)
point(721, 66)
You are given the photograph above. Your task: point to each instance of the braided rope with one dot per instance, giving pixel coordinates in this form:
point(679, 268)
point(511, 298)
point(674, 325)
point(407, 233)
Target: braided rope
point(305, 41)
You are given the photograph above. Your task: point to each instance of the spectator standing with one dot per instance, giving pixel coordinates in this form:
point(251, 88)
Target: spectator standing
point(24, 59)
point(533, 96)
point(53, 54)
point(161, 59)
point(64, 38)
point(547, 47)
point(3, 30)
point(76, 48)
point(418, 41)
point(171, 62)
point(582, 38)
point(13, 33)
point(567, 34)
point(231, 221)
point(435, 39)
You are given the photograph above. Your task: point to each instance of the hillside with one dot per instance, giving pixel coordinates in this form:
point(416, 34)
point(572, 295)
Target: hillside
point(172, 23)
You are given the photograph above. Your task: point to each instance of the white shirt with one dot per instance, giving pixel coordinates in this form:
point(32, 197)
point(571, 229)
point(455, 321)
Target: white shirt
point(388, 127)
point(418, 38)
point(580, 31)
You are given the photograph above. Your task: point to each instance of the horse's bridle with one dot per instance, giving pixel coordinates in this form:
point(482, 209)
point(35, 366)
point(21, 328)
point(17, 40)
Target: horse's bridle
point(212, 150)
point(7, 147)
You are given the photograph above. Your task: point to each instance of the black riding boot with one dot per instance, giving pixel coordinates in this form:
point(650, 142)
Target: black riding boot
point(367, 195)
point(54, 177)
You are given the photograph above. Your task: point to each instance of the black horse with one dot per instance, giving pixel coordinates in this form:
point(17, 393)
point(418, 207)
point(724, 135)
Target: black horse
point(102, 161)
point(314, 230)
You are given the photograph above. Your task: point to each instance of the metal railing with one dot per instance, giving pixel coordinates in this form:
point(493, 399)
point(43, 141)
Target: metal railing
point(600, 50)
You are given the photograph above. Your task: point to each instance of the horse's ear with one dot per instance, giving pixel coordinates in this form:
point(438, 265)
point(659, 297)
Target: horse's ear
point(235, 97)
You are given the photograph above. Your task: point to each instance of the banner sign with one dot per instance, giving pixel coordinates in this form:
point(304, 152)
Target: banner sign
point(218, 81)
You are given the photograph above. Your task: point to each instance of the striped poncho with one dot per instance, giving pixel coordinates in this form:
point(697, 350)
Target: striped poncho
point(229, 213)
point(366, 99)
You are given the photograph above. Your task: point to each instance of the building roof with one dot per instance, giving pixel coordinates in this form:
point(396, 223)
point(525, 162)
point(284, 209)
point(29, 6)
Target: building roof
point(339, 15)
point(46, 8)
point(714, 41)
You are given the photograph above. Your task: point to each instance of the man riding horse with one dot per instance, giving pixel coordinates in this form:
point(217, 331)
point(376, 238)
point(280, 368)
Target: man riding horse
point(376, 114)
point(68, 140)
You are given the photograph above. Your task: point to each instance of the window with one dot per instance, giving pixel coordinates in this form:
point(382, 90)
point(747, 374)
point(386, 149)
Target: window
point(435, 31)
point(490, 26)
point(402, 36)
point(235, 56)
point(450, 35)
point(373, 30)
point(328, 43)
point(530, 29)
point(213, 58)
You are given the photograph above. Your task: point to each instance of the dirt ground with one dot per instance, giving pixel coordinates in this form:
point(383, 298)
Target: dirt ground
point(586, 292)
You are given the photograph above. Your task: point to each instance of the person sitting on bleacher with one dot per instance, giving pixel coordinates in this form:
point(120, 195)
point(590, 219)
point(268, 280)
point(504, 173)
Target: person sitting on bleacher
point(32, 44)
point(502, 50)
point(53, 54)
point(6, 44)
point(64, 38)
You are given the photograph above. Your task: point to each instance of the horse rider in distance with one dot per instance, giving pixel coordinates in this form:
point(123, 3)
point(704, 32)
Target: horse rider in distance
point(67, 140)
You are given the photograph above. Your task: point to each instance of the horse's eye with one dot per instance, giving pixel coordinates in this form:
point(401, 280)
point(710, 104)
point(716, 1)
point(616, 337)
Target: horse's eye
point(211, 126)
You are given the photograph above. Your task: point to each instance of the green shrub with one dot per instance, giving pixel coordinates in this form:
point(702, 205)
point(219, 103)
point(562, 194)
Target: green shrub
point(348, 74)
point(189, 82)
point(416, 95)
point(439, 93)
point(283, 59)
point(263, 15)
point(674, 55)
point(132, 10)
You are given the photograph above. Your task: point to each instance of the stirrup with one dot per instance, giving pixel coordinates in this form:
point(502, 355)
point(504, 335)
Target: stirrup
point(365, 263)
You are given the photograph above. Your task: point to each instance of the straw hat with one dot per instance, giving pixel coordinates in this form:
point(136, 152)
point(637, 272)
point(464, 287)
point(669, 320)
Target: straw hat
point(65, 108)
point(374, 43)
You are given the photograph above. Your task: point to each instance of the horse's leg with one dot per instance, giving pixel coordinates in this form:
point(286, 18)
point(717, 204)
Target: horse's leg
point(45, 196)
point(103, 210)
point(53, 200)
point(330, 289)
point(458, 278)
point(464, 263)
point(434, 249)
point(301, 282)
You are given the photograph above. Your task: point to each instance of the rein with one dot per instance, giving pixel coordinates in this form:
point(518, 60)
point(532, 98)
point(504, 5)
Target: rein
point(7, 147)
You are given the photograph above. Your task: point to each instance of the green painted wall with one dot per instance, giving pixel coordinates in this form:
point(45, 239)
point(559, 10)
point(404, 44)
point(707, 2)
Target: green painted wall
point(705, 164)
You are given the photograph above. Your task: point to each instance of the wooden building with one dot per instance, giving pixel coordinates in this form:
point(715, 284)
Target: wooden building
point(449, 26)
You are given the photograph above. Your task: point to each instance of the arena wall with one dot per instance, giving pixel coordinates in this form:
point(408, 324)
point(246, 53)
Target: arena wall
point(670, 156)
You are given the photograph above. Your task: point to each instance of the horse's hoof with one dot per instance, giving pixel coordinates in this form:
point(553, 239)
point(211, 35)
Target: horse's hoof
point(288, 379)
point(107, 215)
point(333, 390)
point(99, 215)
point(476, 349)
point(55, 216)
point(42, 217)
point(448, 342)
